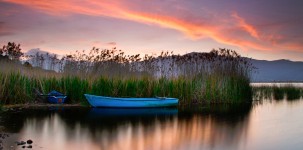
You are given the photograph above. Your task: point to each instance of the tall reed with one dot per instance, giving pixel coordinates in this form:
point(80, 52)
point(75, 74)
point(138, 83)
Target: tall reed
point(221, 76)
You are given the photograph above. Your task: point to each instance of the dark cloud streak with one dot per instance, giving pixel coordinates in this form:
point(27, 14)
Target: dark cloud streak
point(4, 30)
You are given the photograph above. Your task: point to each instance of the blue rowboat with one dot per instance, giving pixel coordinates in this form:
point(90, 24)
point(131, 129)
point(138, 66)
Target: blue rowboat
point(56, 97)
point(103, 101)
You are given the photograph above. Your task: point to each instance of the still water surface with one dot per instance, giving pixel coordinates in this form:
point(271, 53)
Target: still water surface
point(269, 84)
point(264, 125)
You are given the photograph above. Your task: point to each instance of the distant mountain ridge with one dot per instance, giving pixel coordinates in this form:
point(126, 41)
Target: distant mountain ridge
point(277, 70)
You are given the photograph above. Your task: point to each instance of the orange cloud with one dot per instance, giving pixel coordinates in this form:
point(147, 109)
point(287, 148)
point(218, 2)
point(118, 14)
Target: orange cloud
point(116, 10)
point(120, 10)
point(194, 31)
point(246, 27)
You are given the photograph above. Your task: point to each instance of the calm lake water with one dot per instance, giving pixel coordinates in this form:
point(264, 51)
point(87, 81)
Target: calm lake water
point(298, 84)
point(267, 125)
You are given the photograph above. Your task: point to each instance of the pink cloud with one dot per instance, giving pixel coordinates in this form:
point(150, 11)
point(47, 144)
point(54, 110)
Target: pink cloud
point(244, 35)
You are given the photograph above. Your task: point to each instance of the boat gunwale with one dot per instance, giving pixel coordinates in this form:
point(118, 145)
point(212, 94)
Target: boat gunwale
point(133, 98)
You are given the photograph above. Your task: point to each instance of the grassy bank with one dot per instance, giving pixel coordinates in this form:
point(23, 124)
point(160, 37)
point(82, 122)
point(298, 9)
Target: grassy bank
point(17, 88)
point(216, 77)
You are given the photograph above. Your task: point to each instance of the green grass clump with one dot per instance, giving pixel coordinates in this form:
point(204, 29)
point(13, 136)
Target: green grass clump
point(277, 92)
point(141, 87)
point(292, 92)
point(262, 92)
point(222, 89)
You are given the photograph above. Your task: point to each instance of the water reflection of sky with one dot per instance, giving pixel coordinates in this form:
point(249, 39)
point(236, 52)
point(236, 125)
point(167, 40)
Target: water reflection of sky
point(196, 133)
point(275, 125)
point(53, 133)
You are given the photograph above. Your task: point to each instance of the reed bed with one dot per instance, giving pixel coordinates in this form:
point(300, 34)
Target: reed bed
point(221, 76)
point(288, 92)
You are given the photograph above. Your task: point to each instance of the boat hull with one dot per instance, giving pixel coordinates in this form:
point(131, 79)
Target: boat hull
point(97, 112)
point(102, 101)
point(56, 97)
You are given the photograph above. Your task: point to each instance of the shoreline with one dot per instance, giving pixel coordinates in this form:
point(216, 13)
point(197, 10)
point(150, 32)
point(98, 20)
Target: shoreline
point(40, 105)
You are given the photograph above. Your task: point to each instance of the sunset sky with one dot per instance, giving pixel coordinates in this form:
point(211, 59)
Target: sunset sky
point(261, 29)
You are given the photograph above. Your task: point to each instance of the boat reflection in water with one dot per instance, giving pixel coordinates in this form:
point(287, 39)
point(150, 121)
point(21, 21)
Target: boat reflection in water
point(112, 112)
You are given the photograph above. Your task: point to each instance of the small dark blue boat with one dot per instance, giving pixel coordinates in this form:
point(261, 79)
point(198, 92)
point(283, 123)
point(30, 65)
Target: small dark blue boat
point(56, 97)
